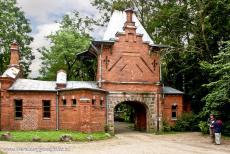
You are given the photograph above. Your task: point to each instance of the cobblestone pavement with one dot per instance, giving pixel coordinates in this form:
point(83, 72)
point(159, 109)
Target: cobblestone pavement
point(126, 143)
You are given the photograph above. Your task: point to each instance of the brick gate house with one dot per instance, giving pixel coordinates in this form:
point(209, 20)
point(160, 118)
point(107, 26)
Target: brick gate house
point(128, 71)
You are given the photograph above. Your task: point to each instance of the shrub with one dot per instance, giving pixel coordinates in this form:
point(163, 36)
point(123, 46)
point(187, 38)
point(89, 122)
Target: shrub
point(187, 122)
point(204, 127)
point(226, 128)
point(166, 126)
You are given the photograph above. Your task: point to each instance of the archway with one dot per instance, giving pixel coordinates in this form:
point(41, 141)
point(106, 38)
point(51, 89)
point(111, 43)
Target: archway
point(137, 100)
point(130, 115)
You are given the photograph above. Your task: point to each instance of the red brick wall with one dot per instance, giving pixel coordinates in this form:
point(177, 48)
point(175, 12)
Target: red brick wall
point(82, 117)
point(168, 101)
point(32, 111)
point(85, 116)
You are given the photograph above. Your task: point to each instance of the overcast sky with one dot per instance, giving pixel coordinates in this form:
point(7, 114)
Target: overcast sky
point(43, 14)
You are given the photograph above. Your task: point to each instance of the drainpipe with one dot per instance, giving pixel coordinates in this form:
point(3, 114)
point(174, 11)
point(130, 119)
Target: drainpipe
point(100, 67)
point(57, 111)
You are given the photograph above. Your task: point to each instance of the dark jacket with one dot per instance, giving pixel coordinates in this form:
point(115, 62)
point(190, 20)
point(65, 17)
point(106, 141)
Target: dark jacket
point(217, 126)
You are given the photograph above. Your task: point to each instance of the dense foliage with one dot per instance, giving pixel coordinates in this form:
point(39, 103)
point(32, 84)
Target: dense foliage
point(71, 39)
point(187, 122)
point(14, 26)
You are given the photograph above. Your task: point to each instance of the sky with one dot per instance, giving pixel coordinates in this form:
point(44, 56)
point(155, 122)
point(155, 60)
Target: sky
point(43, 14)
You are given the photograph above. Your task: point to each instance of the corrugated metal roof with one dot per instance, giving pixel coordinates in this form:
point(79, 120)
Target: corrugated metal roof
point(116, 25)
point(37, 85)
point(170, 90)
point(33, 85)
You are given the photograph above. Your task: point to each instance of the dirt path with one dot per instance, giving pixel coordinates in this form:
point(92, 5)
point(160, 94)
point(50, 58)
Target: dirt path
point(126, 143)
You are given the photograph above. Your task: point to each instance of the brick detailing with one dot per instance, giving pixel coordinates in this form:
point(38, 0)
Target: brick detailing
point(30, 120)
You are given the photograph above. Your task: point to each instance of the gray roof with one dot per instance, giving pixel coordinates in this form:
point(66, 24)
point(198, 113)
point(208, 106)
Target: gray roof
point(170, 90)
point(37, 85)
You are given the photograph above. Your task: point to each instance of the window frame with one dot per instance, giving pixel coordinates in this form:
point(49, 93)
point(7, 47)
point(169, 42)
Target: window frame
point(64, 102)
point(15, 109)
point(174, 111)
point(43, 109)
point(74, 102)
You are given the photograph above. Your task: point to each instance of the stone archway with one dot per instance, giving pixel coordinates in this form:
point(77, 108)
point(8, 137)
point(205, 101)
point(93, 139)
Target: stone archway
point(149, 100)
point(136, 116)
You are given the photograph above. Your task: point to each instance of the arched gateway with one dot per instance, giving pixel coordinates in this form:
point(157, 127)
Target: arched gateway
point(145, 106)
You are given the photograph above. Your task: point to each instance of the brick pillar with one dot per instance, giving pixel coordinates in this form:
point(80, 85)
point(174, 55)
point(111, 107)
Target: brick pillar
point(14, 55)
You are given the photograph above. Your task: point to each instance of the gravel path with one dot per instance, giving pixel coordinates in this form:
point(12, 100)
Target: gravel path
point(126, 143)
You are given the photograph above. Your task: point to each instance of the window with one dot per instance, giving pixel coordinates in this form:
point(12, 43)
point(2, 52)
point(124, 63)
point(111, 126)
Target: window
point(64, 102)
point(18, 109)
point(174, 112)
point(46, 108)
point(101, 102)
point(74, 102)
point(93, 101)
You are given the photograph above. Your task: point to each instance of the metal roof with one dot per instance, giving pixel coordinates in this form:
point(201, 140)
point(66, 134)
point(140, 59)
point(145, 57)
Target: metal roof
point(37, 85)
point(170, 90)
point(116, 25)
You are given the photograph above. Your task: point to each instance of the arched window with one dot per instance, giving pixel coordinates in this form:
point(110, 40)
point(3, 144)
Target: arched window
point(174, 112)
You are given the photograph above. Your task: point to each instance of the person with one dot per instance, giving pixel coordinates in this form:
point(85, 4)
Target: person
point(217, 131)
point(211, 121)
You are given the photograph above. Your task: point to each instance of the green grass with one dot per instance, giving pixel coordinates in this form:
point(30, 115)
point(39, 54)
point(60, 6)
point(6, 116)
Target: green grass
point(1, 152)
point(52, 136)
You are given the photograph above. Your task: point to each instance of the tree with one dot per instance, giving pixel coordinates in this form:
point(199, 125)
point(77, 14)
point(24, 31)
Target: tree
point(14, 26)
point(218, 98)
point(144, 8)
point(69, 40)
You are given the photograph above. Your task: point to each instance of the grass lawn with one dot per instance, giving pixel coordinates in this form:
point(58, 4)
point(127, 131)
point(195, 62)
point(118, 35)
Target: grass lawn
point(2, 152)
point(53, 136)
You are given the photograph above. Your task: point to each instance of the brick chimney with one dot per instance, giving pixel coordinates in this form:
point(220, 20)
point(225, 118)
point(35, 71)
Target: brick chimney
point(129, 19)
point(61, 79)
point(14, 55)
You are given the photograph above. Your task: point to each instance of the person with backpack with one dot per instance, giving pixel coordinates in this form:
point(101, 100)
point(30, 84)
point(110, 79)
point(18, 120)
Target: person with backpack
point(217, 131)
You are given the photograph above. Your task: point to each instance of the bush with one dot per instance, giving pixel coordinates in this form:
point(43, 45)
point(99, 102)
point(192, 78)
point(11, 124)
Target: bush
point(204, 127)
point(166, 126)
point(187, 122)
point(226, 128)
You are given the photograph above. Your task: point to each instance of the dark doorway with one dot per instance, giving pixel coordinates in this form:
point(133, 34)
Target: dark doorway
point(130, 116)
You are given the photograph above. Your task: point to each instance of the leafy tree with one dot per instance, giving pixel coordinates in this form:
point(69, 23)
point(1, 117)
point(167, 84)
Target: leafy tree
point(14, 26)
point(144, 8)
point(66, 43)
point(218, 98)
